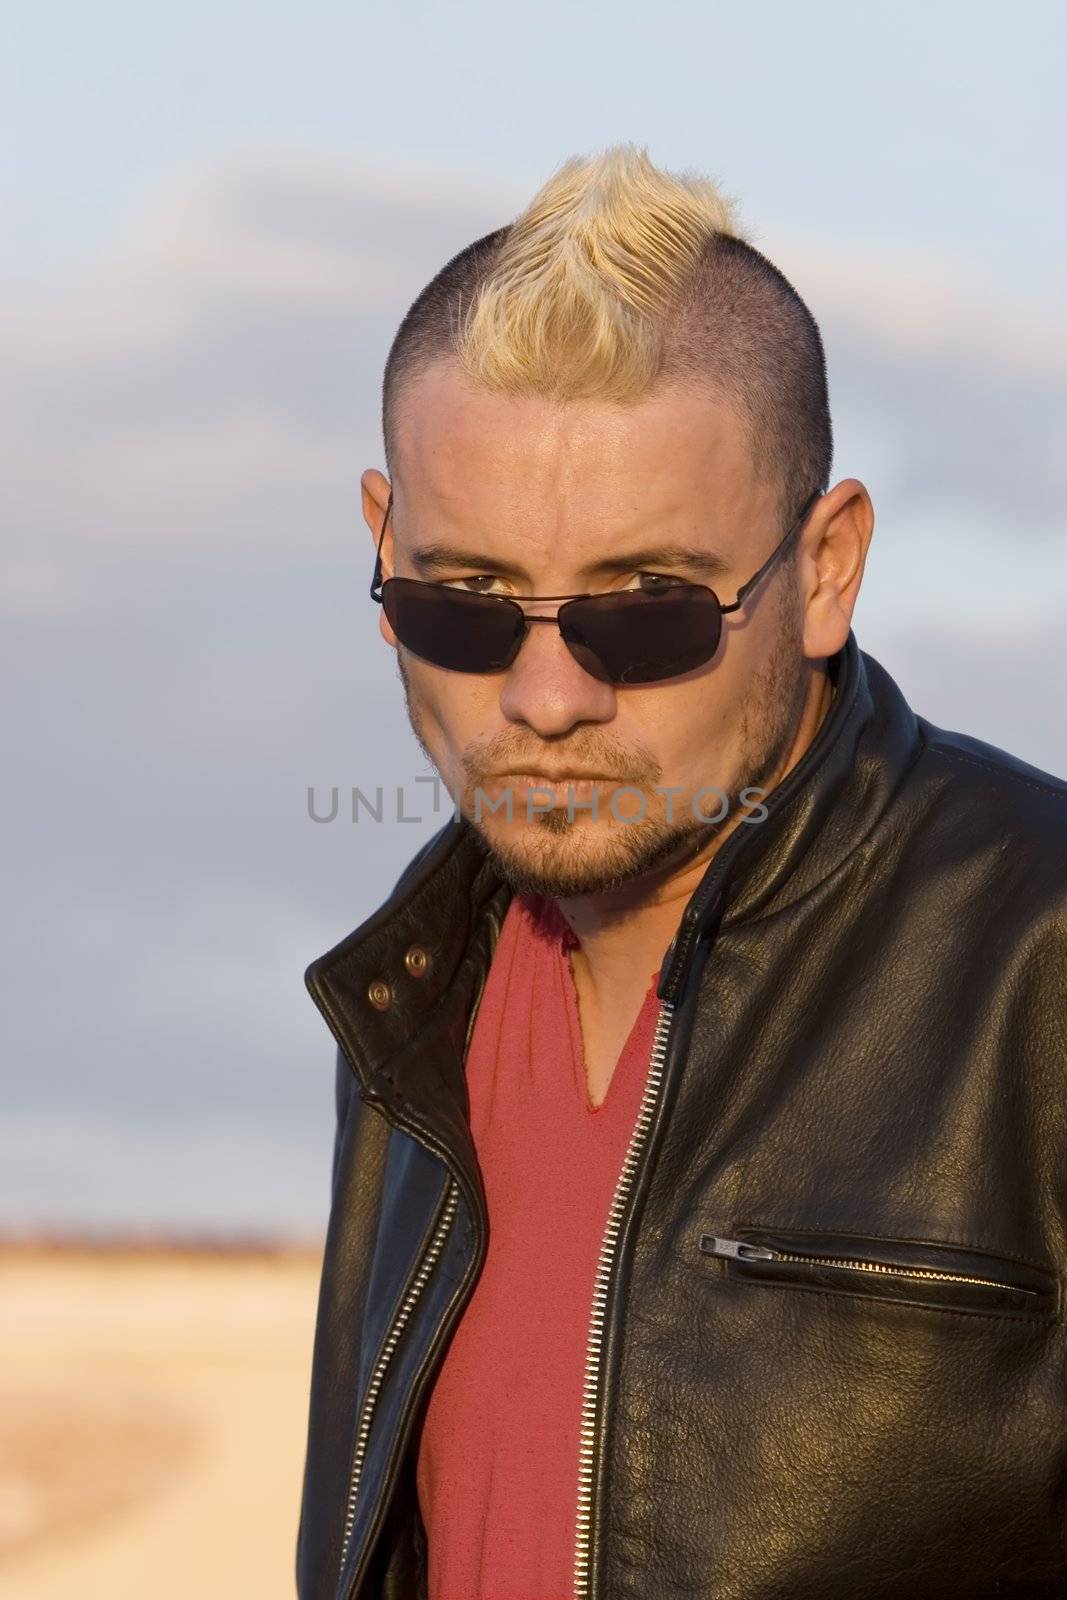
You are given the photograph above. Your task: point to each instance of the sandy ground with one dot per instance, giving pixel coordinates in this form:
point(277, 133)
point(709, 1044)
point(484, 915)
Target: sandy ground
point(153, 1408)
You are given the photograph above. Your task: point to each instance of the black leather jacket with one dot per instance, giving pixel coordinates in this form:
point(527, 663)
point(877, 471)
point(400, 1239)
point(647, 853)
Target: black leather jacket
point(860, 1071)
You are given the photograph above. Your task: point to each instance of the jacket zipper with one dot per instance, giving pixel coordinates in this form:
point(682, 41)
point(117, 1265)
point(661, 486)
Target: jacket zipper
point(744, 1251)
point(592, 1388)
point(407, 1305)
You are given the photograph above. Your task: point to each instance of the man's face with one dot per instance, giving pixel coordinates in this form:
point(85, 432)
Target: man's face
point(548, 492)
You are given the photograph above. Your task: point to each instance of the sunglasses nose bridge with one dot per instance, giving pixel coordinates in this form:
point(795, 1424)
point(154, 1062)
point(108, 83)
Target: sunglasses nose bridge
point(534, 614)
point(529, 608)
point(574, 646)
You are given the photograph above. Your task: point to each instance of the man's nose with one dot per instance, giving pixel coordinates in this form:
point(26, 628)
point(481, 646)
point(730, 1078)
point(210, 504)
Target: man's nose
point(548, 689)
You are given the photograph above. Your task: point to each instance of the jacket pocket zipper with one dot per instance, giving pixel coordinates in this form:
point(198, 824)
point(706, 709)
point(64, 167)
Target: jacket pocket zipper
point(1017, 1288)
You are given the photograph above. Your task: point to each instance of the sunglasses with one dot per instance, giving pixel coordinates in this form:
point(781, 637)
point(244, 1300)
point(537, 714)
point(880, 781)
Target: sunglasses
point(624, 636)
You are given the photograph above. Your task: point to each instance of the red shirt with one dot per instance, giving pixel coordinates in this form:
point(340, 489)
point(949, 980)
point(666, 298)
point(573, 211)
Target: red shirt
point(498, 1457)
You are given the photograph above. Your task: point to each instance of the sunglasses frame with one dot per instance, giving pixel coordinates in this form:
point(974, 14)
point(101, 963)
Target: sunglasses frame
point(377, 586)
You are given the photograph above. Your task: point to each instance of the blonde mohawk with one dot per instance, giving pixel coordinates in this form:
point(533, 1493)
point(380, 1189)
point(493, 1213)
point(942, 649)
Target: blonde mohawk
point(619, 280)
point(579, 295)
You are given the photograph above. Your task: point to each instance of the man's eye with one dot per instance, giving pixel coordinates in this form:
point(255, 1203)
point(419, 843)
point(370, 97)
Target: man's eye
point(656, 582)
point(472, 585)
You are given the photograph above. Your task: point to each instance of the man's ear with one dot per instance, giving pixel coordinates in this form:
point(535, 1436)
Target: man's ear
point(385, 628)
point(375, 492)
point(376, 489)
point(836, 546)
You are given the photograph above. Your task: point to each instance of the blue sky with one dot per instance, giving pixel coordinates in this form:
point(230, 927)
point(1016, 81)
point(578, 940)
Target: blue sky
point(890, 125)
point(219, 217)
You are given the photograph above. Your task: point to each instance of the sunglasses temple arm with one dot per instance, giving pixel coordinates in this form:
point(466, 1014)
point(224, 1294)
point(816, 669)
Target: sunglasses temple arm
point(747, 588)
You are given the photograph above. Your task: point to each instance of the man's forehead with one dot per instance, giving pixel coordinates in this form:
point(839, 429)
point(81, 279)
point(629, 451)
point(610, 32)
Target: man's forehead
point(515, 510)
point(600, 529)
point(454, 432)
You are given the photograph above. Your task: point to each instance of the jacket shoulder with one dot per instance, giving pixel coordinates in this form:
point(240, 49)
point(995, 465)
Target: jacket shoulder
point(1001, 802)
point(1000, 766)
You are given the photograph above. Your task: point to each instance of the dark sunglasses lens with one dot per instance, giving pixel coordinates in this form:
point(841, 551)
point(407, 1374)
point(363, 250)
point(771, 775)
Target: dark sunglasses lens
point(450, 628)
point(643, 638)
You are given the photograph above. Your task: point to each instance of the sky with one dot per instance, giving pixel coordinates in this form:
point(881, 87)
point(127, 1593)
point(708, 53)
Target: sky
point(217, 219)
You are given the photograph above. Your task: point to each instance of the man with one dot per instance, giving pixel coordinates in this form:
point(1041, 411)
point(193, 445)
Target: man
point(699, 1214)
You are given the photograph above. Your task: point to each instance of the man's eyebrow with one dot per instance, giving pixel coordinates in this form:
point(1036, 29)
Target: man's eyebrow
point(691, 558)
point(432, 559)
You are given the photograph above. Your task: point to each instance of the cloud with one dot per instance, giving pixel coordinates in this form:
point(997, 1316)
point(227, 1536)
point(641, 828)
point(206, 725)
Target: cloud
point(921, 306)
point(188, 644)
point(98, 1173)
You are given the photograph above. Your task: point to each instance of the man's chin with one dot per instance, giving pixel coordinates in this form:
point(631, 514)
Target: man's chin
point(579, 858)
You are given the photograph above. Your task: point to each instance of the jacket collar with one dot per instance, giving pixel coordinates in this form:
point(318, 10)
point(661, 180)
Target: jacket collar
point(409, 1047)
point(822, 811)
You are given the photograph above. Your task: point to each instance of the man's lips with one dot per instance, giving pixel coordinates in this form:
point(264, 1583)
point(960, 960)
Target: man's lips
point(567, 786)
point(565, 783)
point(531, 775)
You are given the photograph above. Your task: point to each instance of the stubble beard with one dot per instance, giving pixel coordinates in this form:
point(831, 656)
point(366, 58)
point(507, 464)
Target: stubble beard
point(560, 857)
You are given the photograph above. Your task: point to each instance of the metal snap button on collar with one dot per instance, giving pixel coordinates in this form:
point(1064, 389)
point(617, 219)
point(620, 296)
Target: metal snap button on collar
point(417, 961)
point(380, 994)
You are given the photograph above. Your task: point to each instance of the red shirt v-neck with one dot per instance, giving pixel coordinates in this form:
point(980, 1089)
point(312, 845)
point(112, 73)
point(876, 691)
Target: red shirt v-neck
point(498, 1457)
